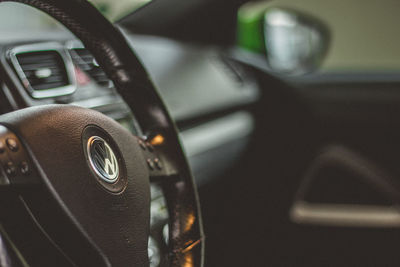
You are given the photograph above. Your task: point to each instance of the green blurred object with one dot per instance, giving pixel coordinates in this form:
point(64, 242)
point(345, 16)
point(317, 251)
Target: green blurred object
point(103, 8)
point(250, 31)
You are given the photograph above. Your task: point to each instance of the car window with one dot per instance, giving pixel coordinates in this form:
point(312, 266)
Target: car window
point(364, 34)
point(117, 9)
point(19, 19)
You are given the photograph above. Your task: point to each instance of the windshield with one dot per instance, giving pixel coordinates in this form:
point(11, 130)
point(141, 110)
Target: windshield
point(18, 19)
point(117, 9)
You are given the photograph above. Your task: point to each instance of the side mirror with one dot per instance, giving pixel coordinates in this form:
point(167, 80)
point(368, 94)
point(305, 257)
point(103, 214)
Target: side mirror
point(292, 42)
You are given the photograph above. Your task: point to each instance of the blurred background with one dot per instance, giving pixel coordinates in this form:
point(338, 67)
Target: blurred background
point(360, 40)
point(23, 18)
point(364, 35)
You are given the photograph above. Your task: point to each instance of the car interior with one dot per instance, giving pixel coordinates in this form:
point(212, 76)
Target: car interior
point(199, 133)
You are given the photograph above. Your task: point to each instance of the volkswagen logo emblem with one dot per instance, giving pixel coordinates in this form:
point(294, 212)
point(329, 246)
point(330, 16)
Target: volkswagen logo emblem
point(102, 159)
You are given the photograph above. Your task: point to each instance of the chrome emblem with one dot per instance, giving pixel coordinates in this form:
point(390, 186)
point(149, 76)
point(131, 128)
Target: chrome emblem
point(102, 159)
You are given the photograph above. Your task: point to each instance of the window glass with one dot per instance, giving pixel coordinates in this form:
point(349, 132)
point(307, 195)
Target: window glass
point(117, 9)
point(364, 34)
point(21, 20)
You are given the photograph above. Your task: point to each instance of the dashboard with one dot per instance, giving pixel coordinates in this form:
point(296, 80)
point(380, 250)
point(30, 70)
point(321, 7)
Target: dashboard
point(206, 93)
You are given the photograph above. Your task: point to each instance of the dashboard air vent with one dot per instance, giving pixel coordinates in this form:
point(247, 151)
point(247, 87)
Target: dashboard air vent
point(43, 70)
point(86, 62)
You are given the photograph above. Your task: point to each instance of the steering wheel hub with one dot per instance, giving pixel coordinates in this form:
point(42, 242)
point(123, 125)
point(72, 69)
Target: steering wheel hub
point(104, 158)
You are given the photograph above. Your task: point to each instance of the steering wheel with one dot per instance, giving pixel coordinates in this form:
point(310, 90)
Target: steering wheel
point(82, 179)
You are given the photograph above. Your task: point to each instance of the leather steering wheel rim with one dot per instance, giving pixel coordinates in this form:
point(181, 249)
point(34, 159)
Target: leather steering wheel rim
point(115, 56)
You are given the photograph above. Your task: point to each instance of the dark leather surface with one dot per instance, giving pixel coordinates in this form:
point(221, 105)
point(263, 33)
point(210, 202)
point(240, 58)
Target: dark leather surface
point(115, 56)
point(116, 223)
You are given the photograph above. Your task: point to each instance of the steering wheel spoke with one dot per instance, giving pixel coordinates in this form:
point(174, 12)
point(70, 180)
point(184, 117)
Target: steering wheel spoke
point(158, 161)
point(17, 168)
